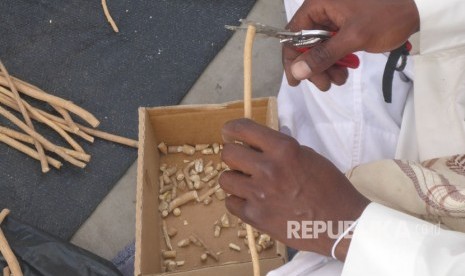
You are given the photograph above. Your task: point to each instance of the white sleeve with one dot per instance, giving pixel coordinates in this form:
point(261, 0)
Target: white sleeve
point(442, 24)
point(388, 242)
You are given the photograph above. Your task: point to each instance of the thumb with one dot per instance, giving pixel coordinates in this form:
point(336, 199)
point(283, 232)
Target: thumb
point(321, 57)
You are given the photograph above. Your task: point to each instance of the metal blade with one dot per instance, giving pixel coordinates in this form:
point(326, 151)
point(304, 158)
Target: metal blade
point(261, 29)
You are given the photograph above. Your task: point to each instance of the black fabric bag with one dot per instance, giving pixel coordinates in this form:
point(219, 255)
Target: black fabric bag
point(41, 254)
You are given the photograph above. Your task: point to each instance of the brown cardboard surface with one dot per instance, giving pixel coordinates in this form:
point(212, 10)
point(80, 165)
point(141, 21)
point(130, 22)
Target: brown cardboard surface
point(179, 125)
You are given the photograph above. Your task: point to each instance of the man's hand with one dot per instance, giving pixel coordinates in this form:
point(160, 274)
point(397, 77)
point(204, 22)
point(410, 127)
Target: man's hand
point(370, 25)
point(274, 180)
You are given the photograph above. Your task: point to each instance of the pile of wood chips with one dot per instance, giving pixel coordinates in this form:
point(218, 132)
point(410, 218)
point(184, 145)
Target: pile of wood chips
point(28, 141)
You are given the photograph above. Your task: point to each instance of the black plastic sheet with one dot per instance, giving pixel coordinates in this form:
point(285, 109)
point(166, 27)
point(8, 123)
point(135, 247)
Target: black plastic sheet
point(41, 254)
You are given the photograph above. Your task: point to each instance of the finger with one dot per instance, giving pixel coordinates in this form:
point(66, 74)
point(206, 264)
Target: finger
point(338, 74)
point(239, 157)
point(237, 184)
point(288, 56)
point(236, 206)
point(256, 135)
point(322, 56)
point(322, 81)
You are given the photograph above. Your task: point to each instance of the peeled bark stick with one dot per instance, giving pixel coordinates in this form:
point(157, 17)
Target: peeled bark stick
point(108, 16)
point(80, 133)
point(46, 121)
point(166, 236)
point(190, 184)
point(197, 241)
point(65, 127)
point(16, 135)
point(37, 93)
point(28, 139)
point(183, 199)
point(208, 193)
point(248, 114)
point(97, 133)
point(111, 137)
point(6, 251)
point(63, 112)
point(27, 119)
point(57, 101)
point(27, 150)
point(47, 144)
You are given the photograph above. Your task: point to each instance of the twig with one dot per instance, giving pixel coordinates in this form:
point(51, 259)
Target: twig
point(47, 144)
point(6, 250)
point(10, 89)
point(198, 242)
point(43, 117)
point(37, 93)
point(79, 133)
point(65, 127)
point(110, 137)
point(27, 150)
point(28, 139)
point(46, 121)
point(12, 105)
point(97, 133)
point(108, 16)
point(248, 114)
point(164, 228)
point(27, 119)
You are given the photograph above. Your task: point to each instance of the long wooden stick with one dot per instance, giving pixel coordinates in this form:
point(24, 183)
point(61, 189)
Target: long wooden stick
point(6, 250)
point(108, 16)
point(27, 150)
point(27, 119)
point(95, 132)
point(44, 120)
point(110, 137)
point(248, 114)
point(46, 143)
point(28, 139)
point(42, 117)
point(65, 127)
point(83, 130)
point(37, 93)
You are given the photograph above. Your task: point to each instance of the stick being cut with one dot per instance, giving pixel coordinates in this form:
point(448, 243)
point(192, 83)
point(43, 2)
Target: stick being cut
point(248, 114)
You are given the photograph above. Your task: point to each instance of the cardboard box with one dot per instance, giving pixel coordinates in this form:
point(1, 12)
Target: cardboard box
point(194, 124)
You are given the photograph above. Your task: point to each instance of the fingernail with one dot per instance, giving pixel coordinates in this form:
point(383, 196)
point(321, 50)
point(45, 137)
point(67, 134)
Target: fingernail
point(300, 70)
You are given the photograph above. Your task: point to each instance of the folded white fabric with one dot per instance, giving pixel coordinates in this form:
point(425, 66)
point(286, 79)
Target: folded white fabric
point(309, 264)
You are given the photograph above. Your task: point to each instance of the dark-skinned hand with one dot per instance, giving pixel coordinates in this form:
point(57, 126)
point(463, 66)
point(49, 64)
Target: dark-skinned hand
point(374, 26)
point(274, 180)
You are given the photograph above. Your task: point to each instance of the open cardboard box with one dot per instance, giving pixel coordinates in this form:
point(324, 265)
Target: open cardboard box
point(194, 124)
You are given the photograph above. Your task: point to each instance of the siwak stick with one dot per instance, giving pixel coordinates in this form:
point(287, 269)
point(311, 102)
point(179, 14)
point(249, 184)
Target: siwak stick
point(248, 114)
point(27, 119)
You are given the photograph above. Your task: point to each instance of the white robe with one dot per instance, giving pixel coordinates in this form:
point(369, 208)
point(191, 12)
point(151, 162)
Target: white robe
point(351, 125)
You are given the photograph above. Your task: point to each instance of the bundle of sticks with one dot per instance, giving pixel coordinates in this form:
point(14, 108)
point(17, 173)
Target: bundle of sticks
point(11, 92)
